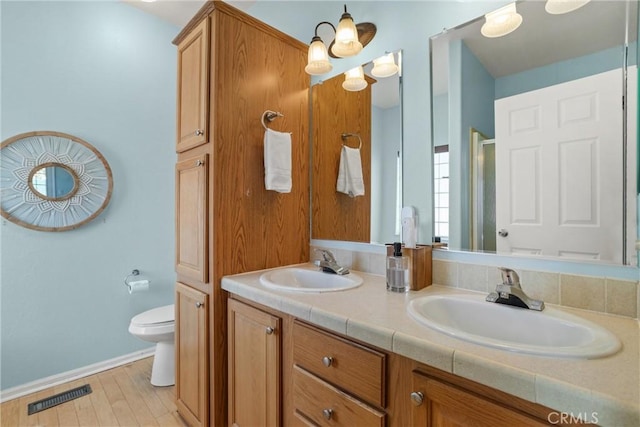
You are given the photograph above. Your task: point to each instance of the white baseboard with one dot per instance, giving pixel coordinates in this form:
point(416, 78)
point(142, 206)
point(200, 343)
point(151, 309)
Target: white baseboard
point(54, 380)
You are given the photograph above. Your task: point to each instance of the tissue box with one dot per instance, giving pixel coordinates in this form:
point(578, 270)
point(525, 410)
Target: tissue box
point(420, 264)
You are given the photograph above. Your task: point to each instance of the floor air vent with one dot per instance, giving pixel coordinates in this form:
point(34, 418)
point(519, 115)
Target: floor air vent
point(58, 399)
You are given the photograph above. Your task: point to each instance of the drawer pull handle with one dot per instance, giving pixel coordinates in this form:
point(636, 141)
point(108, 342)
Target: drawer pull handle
point(199, 132)
point(417, 398)
point(327, 361)
point(270, 330)
point(327, 413)
point(199, 304)
point(199, 163)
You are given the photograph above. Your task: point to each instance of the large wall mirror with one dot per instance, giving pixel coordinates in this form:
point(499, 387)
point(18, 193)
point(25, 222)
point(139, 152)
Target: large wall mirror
point(52, 181)
point(534, 154)
point(375, 115)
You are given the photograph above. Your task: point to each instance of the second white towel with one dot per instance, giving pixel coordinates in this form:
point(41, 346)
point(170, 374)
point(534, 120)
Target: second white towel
point(350, 172)
point(277, 161)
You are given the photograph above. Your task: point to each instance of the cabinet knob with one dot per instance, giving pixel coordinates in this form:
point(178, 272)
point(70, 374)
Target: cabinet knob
point(417, 398)
point(270, 330)
point(327, 413)
point(199, 163)
point(327, 361)
point(199, 132)
point(199, 304)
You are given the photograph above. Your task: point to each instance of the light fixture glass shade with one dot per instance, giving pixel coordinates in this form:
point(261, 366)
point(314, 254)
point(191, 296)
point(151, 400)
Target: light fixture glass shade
point(354, 80)
point(346, 42)
point(385, 66)
point(558, 7)
point(501, 22)
point(318, 58)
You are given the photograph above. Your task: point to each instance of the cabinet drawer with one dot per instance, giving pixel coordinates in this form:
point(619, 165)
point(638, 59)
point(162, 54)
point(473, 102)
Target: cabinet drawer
point(317, 402)
point(345, 364)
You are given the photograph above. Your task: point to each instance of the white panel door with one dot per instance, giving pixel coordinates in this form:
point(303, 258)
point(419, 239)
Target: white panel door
point(559, 170)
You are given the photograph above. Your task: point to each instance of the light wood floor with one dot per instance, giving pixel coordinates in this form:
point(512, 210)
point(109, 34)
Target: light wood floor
point(121, 397)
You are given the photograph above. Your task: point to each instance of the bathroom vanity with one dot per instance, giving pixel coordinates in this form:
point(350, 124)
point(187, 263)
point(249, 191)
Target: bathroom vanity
point(356, 357)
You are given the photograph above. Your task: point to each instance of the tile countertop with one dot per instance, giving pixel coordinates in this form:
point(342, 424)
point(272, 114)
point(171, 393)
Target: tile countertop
point(608, 387)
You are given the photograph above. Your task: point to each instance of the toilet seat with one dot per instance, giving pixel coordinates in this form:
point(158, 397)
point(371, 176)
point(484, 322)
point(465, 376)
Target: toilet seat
point(155, 317)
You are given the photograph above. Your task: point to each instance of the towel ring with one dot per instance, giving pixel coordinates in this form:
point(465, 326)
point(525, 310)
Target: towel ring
point(270, 116)
point(347, 135)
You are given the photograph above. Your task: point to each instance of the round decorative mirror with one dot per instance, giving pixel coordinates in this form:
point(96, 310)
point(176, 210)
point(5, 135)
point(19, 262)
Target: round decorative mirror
point(52, 181)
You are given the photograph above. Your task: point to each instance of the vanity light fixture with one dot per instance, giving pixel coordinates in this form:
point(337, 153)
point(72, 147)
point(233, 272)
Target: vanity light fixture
point(354, 80)
point(348, 41)
point(558, 7)
point(501, 22)
point(318, 57)
point(385, 66)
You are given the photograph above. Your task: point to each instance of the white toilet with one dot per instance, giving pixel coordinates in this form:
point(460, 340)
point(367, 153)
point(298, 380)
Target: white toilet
point(158, 325)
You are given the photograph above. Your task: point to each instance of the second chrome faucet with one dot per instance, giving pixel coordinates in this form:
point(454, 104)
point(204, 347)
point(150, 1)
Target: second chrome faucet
point(328, 263)
point(510, 292)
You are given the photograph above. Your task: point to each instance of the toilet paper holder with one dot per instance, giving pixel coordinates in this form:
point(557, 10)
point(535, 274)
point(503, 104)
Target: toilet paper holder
point(135, 272)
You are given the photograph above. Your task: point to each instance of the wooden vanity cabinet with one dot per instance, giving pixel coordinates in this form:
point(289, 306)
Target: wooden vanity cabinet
point(254, 345)
point(193, 88)
point(437, 403)
point(192, 354)
point(319, 378)
point(336, 381)
point(421, 395)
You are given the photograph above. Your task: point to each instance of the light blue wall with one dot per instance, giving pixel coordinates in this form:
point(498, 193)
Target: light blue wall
point(561, 72)
point(105, 72)
point(386, 141)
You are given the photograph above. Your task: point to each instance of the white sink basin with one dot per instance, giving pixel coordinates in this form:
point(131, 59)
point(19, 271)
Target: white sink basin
point(304, 280)
point(549, 332)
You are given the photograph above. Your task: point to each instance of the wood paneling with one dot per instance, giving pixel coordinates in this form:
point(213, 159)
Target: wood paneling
point(254, 366)
point(336, 216)
point(255, 68)
point(192, 338)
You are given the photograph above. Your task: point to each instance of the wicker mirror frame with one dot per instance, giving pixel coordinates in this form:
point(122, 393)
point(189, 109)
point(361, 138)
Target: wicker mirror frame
point(22, 155)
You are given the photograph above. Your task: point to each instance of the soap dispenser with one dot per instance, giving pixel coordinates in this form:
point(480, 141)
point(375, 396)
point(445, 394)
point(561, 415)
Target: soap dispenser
point(397, 270)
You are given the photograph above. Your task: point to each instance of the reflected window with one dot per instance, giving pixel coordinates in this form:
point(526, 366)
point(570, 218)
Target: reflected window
point(39, 181)
point(441, 192)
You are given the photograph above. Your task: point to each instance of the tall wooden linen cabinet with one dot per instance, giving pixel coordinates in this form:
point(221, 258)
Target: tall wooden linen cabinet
point(231, 69)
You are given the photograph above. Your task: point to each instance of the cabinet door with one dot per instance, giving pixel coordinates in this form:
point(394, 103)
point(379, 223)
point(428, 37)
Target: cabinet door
point(191, 218)
point(438, 404)
point(254, 366)
point(192, 374)
point(193, 88)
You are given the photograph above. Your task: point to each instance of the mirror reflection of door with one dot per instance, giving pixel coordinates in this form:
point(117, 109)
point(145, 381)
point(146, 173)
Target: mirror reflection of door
point(559, 162)
point(483, 193)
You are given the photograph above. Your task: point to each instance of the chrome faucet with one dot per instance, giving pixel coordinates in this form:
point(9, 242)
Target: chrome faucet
point(510, 292)
point(328, 263)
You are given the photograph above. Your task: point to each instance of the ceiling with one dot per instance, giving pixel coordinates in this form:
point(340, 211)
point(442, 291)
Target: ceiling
point(177, 12)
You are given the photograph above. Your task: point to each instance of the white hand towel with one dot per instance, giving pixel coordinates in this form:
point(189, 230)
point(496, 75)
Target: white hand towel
point(350, 172)
point(277, 161)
